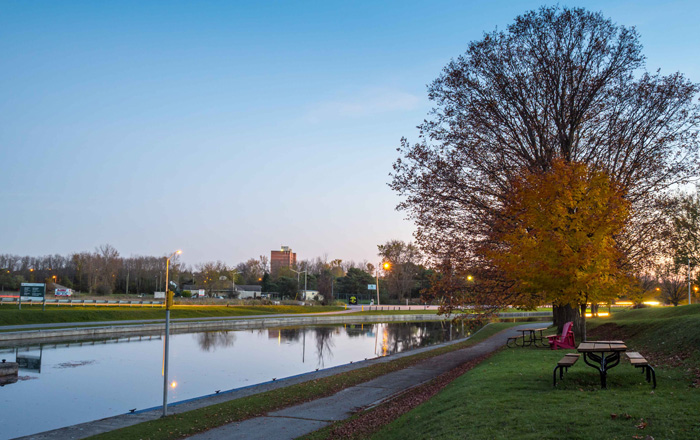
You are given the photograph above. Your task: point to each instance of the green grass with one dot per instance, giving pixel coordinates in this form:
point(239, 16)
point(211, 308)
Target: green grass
point(511, 394)
point(10, 315)
point(181, 425)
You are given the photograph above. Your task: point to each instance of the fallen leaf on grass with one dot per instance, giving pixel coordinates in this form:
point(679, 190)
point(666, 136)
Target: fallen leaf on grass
point(642, 424)
point(613, 416)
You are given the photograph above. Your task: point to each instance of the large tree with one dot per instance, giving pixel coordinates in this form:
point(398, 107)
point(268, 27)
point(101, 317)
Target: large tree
point(557, 84)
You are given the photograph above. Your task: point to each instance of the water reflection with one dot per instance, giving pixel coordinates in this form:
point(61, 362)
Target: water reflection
point(324, 345)
point(97, 379)
point(216, 339)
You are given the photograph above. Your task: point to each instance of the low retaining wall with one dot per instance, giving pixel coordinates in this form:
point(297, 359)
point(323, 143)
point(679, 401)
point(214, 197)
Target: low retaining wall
point(82, 333)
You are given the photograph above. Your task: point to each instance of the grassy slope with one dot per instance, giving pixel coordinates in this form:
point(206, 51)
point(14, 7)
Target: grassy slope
point(511, 395)
point(34, 315)
point(181, 425)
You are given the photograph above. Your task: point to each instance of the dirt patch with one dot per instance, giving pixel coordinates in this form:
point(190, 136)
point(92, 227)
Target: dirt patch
point(609, 332)
point(367, 423)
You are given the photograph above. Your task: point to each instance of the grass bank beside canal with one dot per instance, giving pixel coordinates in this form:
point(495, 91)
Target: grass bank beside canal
point(34, 315)
point(188, 423)
point(511, 395)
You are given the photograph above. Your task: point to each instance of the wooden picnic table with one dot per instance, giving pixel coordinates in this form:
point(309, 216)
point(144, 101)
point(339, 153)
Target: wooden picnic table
point(602, 355)
point(532, 338)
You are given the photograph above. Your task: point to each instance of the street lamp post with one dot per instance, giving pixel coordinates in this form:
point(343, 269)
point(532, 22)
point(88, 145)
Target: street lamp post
point(299, 273)
point(386, 265)
point(168, 302)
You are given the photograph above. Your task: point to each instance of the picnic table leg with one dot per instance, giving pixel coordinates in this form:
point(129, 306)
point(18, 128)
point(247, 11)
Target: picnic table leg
point(600, 361)
point(541, 339)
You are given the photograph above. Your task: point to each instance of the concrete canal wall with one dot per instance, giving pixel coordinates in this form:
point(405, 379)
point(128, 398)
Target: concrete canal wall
point(86, 333)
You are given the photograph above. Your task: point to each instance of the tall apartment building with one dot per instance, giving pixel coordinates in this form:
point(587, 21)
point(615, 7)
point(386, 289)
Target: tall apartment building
point(282, 258)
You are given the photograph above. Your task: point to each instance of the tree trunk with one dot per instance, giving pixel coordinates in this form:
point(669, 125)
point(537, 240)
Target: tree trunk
point(566, 313)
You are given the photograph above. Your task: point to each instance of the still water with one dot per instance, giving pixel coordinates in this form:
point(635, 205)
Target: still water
point(67, 383)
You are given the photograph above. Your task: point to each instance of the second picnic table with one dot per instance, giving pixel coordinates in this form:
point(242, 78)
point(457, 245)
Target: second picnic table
point(533, 338)
point(602, 355)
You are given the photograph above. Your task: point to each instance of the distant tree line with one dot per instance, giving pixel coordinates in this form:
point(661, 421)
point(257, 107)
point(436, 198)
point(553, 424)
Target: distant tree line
point(104, 272)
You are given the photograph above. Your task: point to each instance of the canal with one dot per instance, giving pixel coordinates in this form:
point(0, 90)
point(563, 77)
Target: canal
point(62, 384)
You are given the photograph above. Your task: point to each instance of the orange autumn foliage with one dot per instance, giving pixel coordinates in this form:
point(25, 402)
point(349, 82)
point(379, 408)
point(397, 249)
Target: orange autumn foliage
point(555, 237)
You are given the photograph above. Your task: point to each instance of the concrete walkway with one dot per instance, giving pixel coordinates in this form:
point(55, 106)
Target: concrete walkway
point(299, 420)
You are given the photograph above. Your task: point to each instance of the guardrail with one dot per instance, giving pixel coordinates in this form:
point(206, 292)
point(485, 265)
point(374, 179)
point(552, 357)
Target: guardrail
point(81, 302)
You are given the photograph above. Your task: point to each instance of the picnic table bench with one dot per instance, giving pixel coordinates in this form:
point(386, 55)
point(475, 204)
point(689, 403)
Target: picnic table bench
point(564, 363)
point(638, 361)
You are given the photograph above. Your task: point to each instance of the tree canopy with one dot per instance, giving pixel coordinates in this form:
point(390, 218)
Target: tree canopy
point(556, 236)
point(559, 84)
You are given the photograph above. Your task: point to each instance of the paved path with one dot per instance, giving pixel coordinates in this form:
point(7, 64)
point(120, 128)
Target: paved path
point(302, 419)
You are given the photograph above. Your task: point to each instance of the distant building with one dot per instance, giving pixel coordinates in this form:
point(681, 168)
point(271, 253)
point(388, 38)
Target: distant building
point(282, 258)
point(244, 291)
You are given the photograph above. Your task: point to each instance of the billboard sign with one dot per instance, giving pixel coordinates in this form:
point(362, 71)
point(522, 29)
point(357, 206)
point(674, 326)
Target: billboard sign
point(371, 287)
point(32, 290)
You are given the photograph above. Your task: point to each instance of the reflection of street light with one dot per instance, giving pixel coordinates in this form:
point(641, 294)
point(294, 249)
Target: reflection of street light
point(168, 303)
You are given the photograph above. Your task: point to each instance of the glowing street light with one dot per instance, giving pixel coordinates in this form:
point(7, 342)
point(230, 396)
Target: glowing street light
point(168, 304)
point(386, 265)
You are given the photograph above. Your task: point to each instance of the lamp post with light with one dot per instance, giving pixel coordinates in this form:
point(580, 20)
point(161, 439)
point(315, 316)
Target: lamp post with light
point(168, 304)
point(386, 265)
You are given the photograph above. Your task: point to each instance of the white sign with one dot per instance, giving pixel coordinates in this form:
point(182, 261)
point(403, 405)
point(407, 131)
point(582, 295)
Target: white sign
point(371, 287)
point(64, 292)
point(159, 295)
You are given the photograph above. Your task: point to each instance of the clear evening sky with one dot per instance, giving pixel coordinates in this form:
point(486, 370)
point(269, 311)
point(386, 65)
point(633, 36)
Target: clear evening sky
point(229, 128)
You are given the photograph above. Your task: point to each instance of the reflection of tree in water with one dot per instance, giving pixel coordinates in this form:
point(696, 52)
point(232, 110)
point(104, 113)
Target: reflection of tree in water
point(290, 334)
point(407, 336)
point(357, 330)
point(402, 337)
point(213, 340)
point(324, 344)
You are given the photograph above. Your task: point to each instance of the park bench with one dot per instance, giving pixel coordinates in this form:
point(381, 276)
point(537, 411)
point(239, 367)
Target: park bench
point(565, 340)
point(564, 363)
point(638, 361)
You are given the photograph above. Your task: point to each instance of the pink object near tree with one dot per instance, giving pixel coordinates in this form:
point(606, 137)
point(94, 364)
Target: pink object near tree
point(565, 340)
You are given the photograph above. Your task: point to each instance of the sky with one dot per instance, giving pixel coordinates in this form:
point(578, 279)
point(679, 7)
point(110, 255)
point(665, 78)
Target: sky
point(229, 128)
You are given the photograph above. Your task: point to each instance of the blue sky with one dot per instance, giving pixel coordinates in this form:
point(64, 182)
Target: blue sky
point(230, 128)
